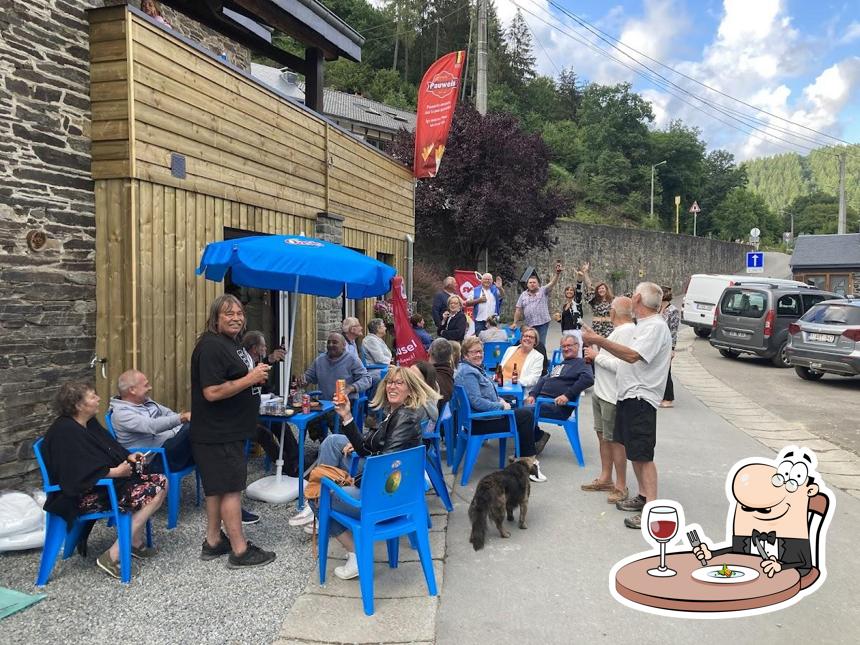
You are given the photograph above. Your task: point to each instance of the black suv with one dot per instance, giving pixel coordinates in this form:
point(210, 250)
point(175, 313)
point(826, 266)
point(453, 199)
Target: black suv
point(753, 318)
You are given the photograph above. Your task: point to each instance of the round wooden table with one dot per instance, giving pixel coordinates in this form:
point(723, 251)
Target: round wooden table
point(682, 592)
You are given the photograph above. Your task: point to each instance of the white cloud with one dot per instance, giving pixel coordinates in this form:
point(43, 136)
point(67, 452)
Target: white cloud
point(851, 34)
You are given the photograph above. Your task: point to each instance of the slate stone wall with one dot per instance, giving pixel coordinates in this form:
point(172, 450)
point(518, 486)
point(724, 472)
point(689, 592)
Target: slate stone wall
point(623, 257)
point(47, 232)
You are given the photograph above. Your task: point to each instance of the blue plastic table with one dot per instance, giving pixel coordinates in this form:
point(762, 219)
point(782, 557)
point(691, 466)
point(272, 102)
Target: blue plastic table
point(514, 391)
point(301, 422)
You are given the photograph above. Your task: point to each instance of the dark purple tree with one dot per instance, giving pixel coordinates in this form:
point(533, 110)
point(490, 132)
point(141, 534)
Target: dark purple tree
point(491, 192)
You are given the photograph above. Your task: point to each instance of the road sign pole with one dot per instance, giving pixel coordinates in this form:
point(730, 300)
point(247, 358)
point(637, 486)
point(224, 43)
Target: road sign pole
point(695, 221)
point(677, 219)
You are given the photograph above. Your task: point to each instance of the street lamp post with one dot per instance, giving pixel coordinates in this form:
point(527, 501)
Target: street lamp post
point(652, 186)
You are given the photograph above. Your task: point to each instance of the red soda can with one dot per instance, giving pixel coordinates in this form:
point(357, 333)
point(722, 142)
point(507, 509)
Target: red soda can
point(306, 404)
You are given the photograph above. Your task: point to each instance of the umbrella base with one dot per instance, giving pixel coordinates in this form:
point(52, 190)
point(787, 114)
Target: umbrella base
point(269, 489)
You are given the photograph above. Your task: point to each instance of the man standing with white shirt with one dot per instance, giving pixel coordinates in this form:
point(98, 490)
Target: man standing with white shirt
point(641, 381)
point(603, 399)
point(486, 300)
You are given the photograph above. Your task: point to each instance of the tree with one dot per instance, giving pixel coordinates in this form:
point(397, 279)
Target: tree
point(491, 193)
point(721, 175)
point(740, 212)
point(818, 214)
point(520, 48)
point(683, 151)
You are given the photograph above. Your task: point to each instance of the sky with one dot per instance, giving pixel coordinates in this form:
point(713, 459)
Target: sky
point(795, 59)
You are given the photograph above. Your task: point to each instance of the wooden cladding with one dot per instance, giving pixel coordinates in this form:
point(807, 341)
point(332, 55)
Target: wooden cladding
point(254, 162)
point(148, 267)
point(153, 94)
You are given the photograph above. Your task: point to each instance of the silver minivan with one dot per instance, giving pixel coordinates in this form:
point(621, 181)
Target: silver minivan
point(753, 318)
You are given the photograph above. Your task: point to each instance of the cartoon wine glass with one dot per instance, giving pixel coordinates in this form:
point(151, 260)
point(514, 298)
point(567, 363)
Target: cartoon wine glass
point(662, 526)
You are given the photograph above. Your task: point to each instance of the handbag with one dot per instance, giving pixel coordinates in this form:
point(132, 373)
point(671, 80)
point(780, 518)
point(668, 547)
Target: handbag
point(338, 475)
point(314, 488)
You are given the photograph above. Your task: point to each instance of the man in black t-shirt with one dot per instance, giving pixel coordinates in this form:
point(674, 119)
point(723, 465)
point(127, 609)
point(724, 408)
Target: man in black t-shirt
point(225, 403)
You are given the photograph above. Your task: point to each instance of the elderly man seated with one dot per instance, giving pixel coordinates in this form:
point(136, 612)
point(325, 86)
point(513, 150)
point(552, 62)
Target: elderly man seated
point(140, 422)
point(352, 331)
point(564, 383)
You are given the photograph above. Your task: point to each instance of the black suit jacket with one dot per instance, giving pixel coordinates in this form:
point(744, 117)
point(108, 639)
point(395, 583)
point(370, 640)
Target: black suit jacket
point(792, 553)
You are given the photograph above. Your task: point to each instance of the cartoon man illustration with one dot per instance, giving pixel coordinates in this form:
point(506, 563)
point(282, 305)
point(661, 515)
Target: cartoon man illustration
point(771, 506)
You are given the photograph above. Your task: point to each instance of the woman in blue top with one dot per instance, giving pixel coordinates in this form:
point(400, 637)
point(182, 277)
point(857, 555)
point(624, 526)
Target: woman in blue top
point(483, 397)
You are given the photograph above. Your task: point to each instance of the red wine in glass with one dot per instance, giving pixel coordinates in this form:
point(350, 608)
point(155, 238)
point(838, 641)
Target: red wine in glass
point(662, 526)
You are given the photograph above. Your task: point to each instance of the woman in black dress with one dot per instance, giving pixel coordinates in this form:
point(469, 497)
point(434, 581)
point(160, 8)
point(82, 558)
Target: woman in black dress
point(78, 452)
point(454, 323)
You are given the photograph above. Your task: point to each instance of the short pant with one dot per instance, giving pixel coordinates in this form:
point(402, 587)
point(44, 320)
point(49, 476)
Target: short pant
point(223, 467)
point(636, 428)
point(604, 417)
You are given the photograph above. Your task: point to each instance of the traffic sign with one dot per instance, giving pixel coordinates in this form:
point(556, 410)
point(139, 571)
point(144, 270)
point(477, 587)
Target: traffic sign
point(755, 232)
point(755, 262)
point(677, 200)
point(695, 208)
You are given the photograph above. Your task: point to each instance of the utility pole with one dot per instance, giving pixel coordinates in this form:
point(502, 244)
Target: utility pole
point(481, 99)
point(652, 188)
point(841, 227)
point(468, 58)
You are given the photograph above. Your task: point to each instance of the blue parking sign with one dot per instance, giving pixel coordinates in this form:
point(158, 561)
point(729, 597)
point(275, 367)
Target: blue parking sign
point(755, 262)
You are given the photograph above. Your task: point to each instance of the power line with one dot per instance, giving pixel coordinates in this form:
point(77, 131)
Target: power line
point(665, 84)
point(540, 44)
point(595, 30)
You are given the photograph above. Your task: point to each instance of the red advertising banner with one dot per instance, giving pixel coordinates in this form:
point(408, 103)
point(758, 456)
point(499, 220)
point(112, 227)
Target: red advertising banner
point(437, 97)
point(408, 347)
point(466, 281)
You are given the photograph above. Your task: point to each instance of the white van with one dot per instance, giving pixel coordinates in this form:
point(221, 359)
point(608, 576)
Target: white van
point(703, 291)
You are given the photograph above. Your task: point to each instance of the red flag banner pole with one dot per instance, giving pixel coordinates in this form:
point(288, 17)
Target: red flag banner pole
point(407, 345)
point(437, 97)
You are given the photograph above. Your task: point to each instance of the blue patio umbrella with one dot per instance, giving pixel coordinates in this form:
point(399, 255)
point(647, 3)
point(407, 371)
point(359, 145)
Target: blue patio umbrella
point(296, 264)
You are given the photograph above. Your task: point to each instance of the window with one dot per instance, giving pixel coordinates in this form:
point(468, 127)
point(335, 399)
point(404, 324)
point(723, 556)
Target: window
point(834, 314)
point(817, 280)
point(746, 304)
point(810, 299)
point(789, 305)
point(838, 283)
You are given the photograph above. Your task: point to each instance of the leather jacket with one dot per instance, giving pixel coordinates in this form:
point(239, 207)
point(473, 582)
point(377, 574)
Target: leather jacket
point(398, 431)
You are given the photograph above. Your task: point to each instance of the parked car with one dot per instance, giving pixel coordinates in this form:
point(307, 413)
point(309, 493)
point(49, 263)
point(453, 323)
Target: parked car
point(826, 340)
point(702, 293)
point(753, 318)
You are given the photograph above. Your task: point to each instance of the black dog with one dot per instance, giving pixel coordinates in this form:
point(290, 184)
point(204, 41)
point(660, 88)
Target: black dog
point(496, 496)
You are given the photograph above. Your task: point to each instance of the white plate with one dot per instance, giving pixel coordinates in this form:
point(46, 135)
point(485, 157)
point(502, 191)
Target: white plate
point(708, 574)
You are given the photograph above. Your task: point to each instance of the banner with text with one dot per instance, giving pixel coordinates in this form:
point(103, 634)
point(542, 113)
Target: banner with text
point(437, 97)
point(407, 346)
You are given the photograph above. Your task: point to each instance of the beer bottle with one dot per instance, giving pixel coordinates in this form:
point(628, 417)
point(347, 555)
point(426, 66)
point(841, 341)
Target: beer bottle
point(500, 377)
point(515, 376)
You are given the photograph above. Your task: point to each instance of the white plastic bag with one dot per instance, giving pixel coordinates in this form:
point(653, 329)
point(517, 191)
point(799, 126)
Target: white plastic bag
point(19, 514)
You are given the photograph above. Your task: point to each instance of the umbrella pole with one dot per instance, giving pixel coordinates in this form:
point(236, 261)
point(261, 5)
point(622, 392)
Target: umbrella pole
point(294, 301)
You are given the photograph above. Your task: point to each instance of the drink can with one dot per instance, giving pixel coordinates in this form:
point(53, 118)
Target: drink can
point(340, 390)
point(306, 404)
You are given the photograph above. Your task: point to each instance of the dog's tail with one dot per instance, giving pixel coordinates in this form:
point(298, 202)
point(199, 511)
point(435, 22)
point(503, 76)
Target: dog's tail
point(478, 517)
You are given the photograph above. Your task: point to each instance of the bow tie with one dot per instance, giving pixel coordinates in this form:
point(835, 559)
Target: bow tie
point(769, 536)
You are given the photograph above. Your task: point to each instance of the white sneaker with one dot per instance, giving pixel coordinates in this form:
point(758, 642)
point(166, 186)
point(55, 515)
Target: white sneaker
point(309, 528)
point(349, 570)
point(305, 516)
point(540, 477)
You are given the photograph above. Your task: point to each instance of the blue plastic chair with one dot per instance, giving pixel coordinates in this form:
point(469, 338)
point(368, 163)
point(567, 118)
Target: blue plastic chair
point(448, 429)
point(391, 505)
point(570, 425)
point(556, 358)
point(469, 444)
point(493, 352)
point(59, 534)
point(174, 477)
point(514, 335)
point(433, 465)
